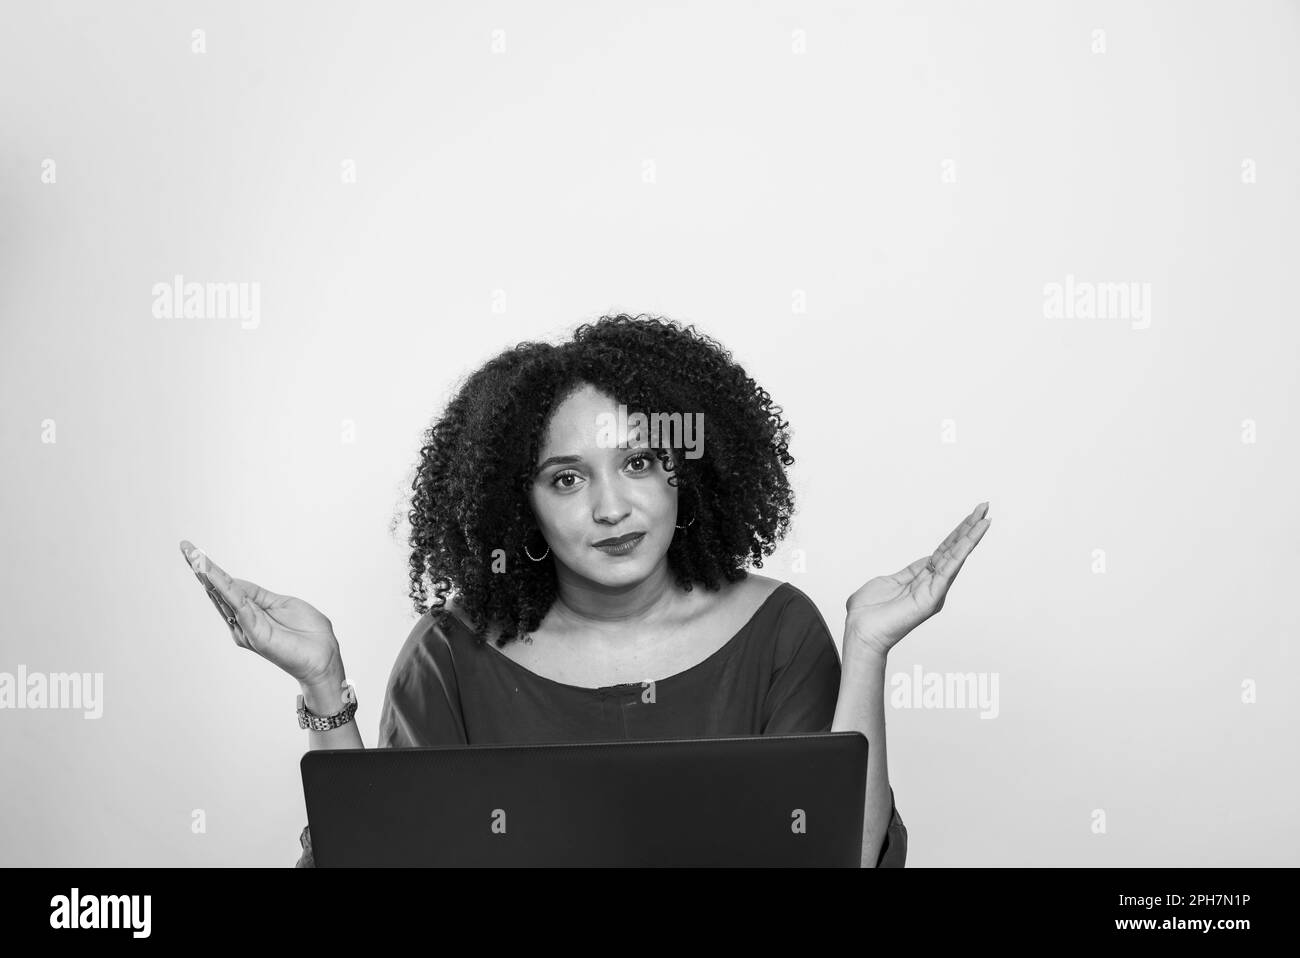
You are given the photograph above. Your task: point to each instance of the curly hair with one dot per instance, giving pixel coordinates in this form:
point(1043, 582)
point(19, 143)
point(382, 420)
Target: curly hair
point(471, 489)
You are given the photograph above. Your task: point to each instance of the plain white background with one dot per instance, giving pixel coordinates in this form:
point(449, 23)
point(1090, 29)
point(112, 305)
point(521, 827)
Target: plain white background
point(863, 201)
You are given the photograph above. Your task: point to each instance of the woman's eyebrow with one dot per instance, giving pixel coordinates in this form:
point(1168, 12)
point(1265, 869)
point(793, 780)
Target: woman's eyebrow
point(567, 460)
point(557, 461)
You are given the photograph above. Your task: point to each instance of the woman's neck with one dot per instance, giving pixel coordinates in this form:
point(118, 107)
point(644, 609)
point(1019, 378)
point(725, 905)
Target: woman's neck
point(583, 604)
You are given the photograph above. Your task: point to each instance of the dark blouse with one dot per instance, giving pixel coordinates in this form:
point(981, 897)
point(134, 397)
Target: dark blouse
point(779, 674)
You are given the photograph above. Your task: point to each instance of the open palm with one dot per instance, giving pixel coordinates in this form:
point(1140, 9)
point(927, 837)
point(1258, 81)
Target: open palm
point(890, 606)
point(284, 630)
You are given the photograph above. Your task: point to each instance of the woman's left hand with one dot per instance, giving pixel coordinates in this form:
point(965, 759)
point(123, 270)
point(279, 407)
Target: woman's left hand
point(888, 607)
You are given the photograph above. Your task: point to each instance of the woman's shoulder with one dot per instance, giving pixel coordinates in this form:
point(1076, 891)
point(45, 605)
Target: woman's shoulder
point(774, 607)
point(761, 584)
point(763, 593)
point(422, 702)
point(774, 623)
point(441, 622)
point(787, 613)
point(428, 646)
point(452, 620)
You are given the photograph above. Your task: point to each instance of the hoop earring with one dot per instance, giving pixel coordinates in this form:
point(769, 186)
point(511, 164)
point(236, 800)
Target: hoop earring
point(540, 557)
point(692, 522)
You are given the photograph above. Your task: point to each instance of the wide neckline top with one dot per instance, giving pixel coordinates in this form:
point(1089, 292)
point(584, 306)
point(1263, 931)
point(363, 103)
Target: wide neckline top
point(723, 651)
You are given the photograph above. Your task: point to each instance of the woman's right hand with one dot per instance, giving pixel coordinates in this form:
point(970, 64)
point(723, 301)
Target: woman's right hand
point(281, 629)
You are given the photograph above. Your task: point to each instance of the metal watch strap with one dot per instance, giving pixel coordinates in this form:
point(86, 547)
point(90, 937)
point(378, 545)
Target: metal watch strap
point(323, 723)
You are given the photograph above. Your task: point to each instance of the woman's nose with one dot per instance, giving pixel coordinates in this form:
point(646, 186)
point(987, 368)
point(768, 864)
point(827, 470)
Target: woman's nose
point(609, 508)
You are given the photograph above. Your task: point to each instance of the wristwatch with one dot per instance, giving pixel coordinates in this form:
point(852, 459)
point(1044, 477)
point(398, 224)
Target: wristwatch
point(323, 723)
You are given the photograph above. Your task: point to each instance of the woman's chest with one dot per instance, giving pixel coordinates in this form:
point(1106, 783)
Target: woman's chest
point(600, 661)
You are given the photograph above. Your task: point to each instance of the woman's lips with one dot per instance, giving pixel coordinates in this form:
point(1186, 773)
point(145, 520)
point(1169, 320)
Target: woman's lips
point(624, 547)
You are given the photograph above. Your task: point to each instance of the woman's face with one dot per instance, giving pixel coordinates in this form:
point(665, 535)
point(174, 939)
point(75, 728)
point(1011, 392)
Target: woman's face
point(588, 490)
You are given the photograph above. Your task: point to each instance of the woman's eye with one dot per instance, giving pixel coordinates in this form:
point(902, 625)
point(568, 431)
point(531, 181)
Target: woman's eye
point(642, 457)
point(558, 480)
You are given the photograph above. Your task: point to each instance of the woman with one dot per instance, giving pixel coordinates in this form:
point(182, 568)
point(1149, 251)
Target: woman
point(564, 536)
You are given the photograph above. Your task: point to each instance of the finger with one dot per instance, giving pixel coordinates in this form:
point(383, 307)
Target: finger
point(249, 624)
point(948, 565)
point(978, 513)
point(260, 596)
point(231, 619)
point(214, 577)
point(260, 600)
point(227, 613)
point(911, 570)
point(199, 564)
point(246, 620)
point(957, 532)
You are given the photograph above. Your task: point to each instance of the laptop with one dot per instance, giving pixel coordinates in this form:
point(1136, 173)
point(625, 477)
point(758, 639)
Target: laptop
point(750, 801)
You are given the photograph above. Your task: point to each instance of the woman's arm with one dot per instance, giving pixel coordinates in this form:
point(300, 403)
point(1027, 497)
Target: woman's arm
point(325, 698)
point(861, 708)
point(880, 614)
